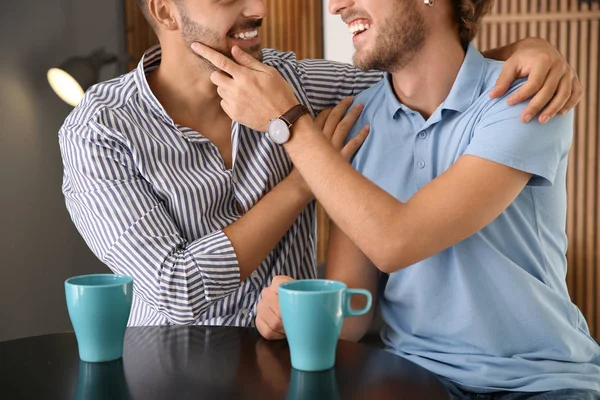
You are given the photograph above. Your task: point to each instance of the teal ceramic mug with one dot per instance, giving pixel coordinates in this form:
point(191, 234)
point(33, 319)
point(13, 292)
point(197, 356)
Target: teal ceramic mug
point(313, 311)
point(99, 307)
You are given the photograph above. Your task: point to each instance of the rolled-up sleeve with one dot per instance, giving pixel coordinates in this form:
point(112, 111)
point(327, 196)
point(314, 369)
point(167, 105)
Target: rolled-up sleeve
point(128, 228)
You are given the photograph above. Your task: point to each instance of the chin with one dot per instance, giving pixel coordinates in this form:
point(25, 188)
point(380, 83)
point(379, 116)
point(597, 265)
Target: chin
point(254, 51)
point(361, 61)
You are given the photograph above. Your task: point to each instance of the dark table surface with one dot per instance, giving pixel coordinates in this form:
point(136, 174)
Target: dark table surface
point(204, 363)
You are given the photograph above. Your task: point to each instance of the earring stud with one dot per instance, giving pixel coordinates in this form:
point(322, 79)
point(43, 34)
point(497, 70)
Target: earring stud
point(429, 2)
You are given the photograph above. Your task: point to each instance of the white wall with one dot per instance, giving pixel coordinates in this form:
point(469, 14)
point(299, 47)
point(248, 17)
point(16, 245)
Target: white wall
point(338, 42)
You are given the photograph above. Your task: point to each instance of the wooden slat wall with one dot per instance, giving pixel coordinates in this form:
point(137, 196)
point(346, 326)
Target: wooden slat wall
point(296, 25)
point(573, 27)
point(139, 34)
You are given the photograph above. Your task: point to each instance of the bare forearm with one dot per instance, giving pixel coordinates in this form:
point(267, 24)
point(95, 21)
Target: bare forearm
point(362, 210)
point(500, 53)
point(393, 234)
point(255, 234)
point(346, 263)
point(503, 53)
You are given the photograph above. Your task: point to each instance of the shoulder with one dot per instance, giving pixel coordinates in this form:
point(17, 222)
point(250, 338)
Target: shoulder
point(317, 68)
point(497, 112)
point(489, 108)
point(275, 58)
point(374, 92)
point(374, 101)
point(103, 104)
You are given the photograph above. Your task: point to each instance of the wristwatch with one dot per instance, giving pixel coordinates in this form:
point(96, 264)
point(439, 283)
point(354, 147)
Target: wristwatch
point(279, 128)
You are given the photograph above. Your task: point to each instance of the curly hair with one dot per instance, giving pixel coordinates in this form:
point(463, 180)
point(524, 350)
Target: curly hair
point(468, 14)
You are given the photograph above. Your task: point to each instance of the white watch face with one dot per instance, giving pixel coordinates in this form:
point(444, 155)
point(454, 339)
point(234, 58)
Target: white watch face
point(279, 131)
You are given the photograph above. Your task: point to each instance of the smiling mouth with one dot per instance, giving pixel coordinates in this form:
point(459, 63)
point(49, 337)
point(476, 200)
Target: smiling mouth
point(358, 27)
point(246, 35)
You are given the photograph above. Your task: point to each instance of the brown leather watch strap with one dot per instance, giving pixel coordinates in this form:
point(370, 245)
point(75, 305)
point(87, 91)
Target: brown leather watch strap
point(293, 114)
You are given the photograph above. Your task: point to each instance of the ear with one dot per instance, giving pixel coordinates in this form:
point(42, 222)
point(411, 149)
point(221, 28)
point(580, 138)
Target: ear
point(164, 14)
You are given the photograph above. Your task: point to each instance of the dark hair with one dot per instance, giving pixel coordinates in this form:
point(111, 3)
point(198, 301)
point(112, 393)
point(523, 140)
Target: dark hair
point(468, 14)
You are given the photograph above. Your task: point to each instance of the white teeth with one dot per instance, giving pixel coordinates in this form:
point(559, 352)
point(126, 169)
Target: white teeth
point(356, 28)
point(246, 35)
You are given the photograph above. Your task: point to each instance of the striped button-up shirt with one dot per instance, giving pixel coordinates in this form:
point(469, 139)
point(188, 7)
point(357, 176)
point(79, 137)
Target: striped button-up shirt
point(151, 197)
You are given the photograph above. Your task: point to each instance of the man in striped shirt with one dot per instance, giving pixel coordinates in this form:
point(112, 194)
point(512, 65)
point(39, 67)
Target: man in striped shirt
point(201, 211)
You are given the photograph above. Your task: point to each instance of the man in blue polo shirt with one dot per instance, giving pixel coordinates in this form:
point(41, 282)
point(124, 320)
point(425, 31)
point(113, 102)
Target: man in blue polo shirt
point(457, 203)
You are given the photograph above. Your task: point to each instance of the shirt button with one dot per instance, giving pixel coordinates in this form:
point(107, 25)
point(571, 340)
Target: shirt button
point(421, 164)
point(422, 135)
point(244, 312)
point(255, 274)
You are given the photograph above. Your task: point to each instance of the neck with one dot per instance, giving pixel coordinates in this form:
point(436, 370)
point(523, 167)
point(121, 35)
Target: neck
point(427, 80)
point(182, 85)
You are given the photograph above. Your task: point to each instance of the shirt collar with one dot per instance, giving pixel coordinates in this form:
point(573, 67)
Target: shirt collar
point(467, 86)
point(465, 90)
point(150, 62)
point(393, 104)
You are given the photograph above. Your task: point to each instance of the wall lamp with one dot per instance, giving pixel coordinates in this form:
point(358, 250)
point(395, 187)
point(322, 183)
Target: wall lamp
point(73, 77)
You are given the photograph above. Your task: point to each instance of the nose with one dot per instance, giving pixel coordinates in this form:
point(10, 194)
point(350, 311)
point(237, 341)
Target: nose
point(255, 9)
point(337, 6)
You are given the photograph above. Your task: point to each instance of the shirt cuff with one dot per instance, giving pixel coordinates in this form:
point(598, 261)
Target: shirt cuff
point(218, 265)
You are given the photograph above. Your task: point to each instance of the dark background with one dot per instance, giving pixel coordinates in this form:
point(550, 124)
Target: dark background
point(39, 245)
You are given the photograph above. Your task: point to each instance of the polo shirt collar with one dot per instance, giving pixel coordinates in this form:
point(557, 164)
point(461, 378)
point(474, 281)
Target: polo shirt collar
point(467, 86)
point(465, 90)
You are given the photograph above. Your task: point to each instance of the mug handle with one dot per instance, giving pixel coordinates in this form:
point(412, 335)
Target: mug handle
point(348, 311)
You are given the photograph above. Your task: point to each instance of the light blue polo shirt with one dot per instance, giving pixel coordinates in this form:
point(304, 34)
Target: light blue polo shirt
point(492, 312)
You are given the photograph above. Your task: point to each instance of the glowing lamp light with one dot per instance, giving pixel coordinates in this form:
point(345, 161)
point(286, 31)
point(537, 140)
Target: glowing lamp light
point(73, 77)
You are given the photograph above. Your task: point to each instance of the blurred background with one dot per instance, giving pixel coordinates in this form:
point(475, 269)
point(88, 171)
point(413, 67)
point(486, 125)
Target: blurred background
point(39, 246)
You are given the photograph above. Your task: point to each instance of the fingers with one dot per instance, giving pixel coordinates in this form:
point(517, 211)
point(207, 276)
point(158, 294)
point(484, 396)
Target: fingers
point(322, 118)
point(278, 280)
point(353, 145)
point(217, 59)
point(507, 76)
point(341, 132)
point(544, 94)
point(222, 81)
point(220, 78)
point(336, 116)
point(268, 317)
point(266, 331)
point(534, 83)
point(563, 93)
point(576, 94)
point(246, 59)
